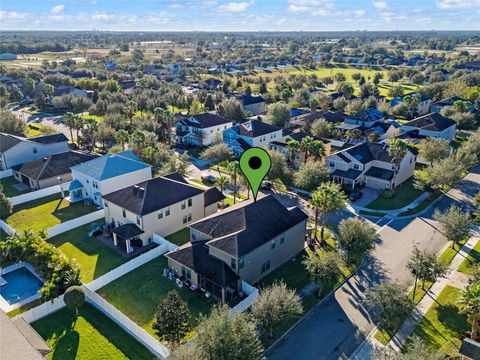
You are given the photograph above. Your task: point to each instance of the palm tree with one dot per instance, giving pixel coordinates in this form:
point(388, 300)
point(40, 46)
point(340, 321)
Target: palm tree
point(79, 123)
point(317, 149)
point(327, 199)
point(293, 147)
point(122, 137)
point(149, 155)
point(138, 141)
point(233, 169)
point(305, 145)
point(397, 150)
point(69, 120)
point(470, 305)
point(222, 181)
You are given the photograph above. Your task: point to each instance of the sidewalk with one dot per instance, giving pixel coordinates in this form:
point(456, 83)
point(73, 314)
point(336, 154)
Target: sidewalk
point(454, 278)
point(393, 212)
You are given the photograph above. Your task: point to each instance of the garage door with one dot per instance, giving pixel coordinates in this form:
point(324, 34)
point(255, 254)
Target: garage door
point(376, 183)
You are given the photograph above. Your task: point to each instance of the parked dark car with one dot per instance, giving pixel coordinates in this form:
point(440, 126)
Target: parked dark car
point(266, 185)
point(208, 178)
point(354, 196)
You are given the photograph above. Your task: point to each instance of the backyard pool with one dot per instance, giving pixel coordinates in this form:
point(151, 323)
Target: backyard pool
point(18, 285)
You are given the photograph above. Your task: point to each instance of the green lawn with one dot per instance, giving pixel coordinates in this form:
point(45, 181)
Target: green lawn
point(180, 237)
point(7, 187)
point(46, 212)
point(443, 326)
point(472, 259)
point(90, 336)
point(138, 293)
point(371, 213)
point(449, 253)
point(404, 195)
point(423, 205)
point(94, 257)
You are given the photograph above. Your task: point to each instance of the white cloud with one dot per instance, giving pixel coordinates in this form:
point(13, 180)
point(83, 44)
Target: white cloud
point(318, 7)
point(57, 9)
point(380, 5)
point(102, 16)
point(458, 4)
point(234, 7)
point(12, 15)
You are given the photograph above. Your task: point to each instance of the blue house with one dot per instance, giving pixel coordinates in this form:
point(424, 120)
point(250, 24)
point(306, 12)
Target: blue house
point(103, 175)
point(366, 118)
point(111, 65)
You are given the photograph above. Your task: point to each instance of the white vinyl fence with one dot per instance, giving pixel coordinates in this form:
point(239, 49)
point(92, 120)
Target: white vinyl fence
point(126, 324)
point(7, 228)
point(6, 173)
point(42, 310)
point(243, 305)
point(74, 223)
point(34, 195)
point(114, 274)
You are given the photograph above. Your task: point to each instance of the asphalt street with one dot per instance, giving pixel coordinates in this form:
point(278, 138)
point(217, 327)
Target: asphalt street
point(336, 327)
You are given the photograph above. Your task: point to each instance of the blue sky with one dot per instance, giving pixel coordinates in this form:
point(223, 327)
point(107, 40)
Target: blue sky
point(239, 15)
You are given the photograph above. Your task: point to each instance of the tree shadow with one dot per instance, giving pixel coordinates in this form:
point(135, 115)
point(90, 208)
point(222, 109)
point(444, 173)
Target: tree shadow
point(448, 315)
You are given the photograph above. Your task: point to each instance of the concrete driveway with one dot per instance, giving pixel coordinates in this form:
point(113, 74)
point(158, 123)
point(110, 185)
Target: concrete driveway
point(336, 327)
point(368, 196)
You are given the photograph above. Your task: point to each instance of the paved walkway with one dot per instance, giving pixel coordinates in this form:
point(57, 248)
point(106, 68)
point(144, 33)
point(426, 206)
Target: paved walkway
point(454, 278)
point(393, 212)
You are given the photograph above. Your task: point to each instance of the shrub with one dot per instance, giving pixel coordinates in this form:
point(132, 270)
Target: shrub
point(388, 194)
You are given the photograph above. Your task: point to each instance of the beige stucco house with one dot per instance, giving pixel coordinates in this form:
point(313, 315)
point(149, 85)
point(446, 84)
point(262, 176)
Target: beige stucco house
point(245, 242)
point(162, 206)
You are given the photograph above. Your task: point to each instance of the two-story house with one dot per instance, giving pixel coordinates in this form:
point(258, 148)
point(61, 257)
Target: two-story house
point(245, 242)
point(16, 150)
point(366, 118)
point(51, 170)
point(439, 105)
point(432, 125)
point(251, 103)
point(298, 159)
point(108, 173)
point(422, 107)
point(252, 133)
point(369, 164)
point(162, 206)
point(201, 129)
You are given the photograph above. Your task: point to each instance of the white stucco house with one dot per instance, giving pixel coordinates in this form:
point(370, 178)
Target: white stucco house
point(103, 175)
point(369, 164)
point(162, 206)
point(432, 125)
point(201, 129)
point(16, 150)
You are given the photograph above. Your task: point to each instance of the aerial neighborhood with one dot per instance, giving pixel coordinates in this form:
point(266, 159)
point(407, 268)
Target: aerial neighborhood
point(130, 230)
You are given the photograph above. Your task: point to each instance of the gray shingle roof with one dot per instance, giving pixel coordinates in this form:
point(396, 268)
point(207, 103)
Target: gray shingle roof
point(470, 348)
point(206, 120)
point(254, 128)
point(380, 173)
point(53, 165)
point(240, 229)
point(152, 195)
point(432, 122)
point(7, 141)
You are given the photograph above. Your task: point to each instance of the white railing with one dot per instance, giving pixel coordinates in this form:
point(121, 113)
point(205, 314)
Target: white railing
point(246, 303)
point(34, 195)
point(74, 223)
point(6, 173)
point(127, 324)
point(42, 310)
point(7, 228)
point(130, 265)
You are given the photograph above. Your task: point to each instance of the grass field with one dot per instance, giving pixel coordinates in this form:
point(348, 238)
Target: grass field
point(472, 259)
point(46, 212)
point(180, 237)
point(423, 205)
point(7, 187)
point(138, 293)
point(404, 195)
point(443, 326)
point(94, 257)
point(90, 336)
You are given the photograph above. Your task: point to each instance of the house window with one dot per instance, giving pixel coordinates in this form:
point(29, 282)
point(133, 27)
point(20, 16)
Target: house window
point(184, 219)
point(167, 211)
point(189, 202)
point(189, 217)
point(124, 213)
point(139, 220)
point(160, 214)
point(105, 203)
point(262, 270)
point(356, 166)
point(34, 150)
point(186, 273)
point(241, 262)
point(410, 160)
point(183, 204)
point(233, 264)
point(331, 164)
point(267, 265)
point(193, 236)
point(273, 244)
point(282, 239)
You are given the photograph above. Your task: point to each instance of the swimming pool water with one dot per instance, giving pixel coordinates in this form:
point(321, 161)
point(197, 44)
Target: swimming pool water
point(21, 284)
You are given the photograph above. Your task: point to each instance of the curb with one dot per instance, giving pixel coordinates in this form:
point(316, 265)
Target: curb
point(327, 297)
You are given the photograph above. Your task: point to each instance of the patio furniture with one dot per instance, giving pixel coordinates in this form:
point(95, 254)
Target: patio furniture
point(194, 287)
point(179, 282)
